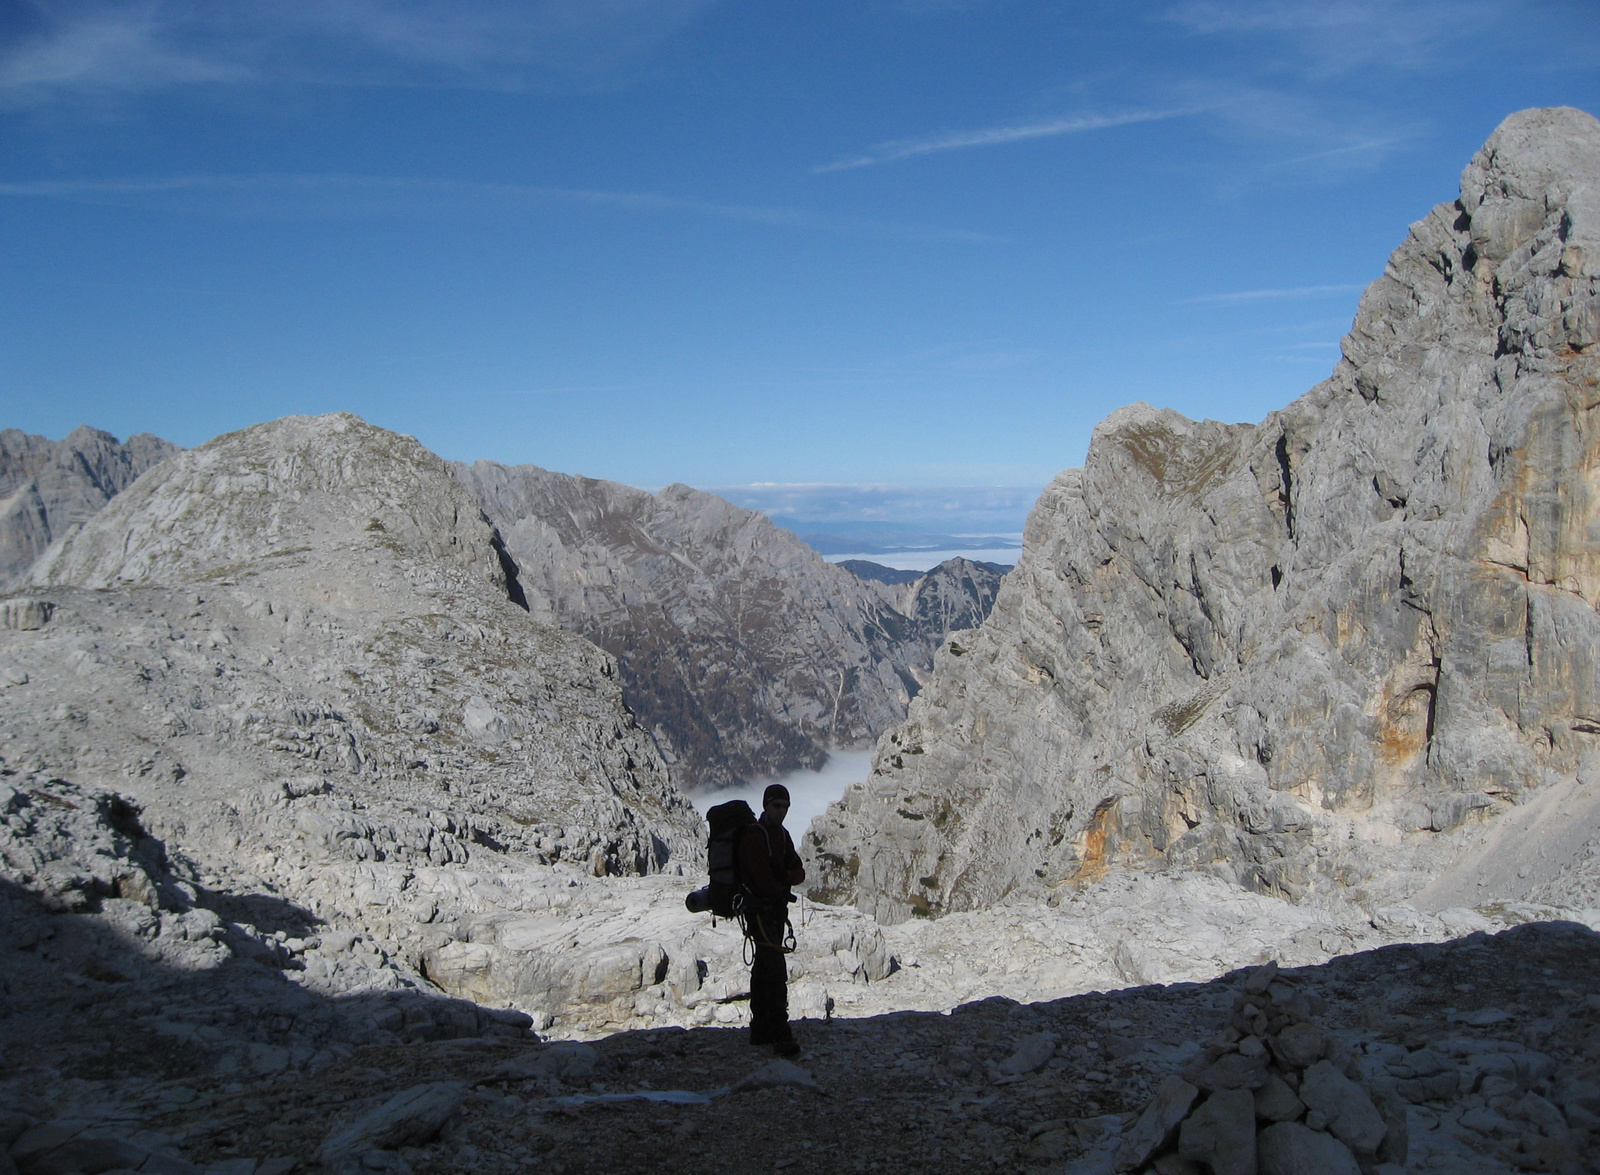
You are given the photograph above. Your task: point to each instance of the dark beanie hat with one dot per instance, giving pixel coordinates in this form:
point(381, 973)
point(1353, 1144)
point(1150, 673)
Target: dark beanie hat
point(775, 791)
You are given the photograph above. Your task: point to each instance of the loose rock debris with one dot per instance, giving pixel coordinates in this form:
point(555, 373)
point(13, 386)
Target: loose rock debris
point(1474, 1056)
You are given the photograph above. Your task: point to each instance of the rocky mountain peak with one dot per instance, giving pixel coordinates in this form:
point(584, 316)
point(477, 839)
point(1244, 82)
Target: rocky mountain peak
point(1310, 653)
point(315, 606)
point(47, 487)
point(271, 492)
point(1537, 164)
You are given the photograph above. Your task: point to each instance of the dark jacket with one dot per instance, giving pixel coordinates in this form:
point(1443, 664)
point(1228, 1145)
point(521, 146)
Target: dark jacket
point(768, 863)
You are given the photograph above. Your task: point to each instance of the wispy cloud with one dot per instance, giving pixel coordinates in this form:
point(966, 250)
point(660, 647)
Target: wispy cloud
point(344, 196)
point(1373, 147)
point(1269, 295)
point(996, 136)
point(99, 47)
point(109, 49)
point(1314, 91)
point(1338, 36)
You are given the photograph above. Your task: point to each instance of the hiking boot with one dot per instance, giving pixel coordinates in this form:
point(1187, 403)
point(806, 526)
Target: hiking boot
point(761, 1036)
point(786, 1046)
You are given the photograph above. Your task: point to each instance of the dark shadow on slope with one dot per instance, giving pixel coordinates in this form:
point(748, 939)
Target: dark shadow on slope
point(116, 967)
point(508, 566)
point(931, 1091)
point(87, 996)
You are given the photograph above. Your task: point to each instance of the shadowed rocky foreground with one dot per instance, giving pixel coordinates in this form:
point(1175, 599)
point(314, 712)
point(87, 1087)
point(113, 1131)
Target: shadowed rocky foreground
point(1478, 1054)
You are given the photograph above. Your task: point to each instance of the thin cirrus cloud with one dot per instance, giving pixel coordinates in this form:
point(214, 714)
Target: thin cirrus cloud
point(1284, 295)
point(1337, 36)
point(56, 49)
point(1370, 148)
point(346, 196)
point(897, 149)
point(107, 50)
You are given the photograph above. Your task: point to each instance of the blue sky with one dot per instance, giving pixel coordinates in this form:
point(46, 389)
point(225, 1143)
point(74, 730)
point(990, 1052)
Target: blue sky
point(906, 242)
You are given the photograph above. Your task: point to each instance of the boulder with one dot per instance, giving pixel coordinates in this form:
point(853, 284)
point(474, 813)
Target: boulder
point(1032, 1053)
point(409, 1117)
point(1297, 1046)
point(1288, 1148)
point(1352, 1118)
point(1234, 1071)
point(1222, 1133)
point(1276, 1102)
point(25, 613)
point(568, 1061)
point(776, 1074)
point(1156, 1124)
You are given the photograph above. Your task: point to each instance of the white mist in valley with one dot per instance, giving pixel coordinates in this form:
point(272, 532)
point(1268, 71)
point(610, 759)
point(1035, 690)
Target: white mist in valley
point(809, 791)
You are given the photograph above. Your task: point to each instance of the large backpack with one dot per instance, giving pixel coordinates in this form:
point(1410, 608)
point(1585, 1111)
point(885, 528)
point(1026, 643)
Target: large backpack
point(728, 824)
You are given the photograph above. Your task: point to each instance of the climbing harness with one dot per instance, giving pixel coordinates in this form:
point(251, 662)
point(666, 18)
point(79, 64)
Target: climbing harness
point(754, 924)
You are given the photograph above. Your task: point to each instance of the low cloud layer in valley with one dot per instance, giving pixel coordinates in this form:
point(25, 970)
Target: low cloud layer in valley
point(810, 792)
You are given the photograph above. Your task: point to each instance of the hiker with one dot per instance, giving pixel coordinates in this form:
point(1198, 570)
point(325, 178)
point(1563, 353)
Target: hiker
point(768, 866)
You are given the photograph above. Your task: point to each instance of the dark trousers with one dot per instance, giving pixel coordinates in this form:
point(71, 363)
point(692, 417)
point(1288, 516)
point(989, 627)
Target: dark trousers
point(769, 981)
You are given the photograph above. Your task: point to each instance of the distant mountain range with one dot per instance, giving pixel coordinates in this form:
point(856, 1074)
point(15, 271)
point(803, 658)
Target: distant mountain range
point(46, 486)
point(922, 510)
point(740, 648)
point(887, 538)
point(894, 576)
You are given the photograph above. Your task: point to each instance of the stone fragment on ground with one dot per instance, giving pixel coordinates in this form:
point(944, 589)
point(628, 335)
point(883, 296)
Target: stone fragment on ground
point(1290, 1148)
point(1222, 1133)
point(1345, 1107)
point(562, 1061)
point(411, 1116)
point(776, 1074)
point(1157, 1124)
point(1031, 1054)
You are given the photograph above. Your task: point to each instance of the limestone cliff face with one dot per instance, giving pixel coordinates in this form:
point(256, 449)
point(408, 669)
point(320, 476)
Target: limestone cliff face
point(1298, 653)
point(46, 487)
point(740, 647)
point(956, 595)
point(315, 607)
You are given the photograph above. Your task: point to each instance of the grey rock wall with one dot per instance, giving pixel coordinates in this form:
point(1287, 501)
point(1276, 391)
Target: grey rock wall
point(740, 648)
point(47, 487)
point(303, 632)
point(1305, 654)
